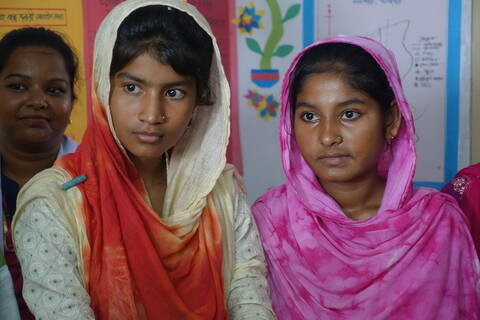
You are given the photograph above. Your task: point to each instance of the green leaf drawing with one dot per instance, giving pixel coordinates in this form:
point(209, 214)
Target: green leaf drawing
point(282, 51)
point(292, 12)
point(254, 46)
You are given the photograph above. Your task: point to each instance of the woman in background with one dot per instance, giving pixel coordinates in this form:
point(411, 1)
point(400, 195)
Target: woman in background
point(153, 224)
point(38, 71)
point(347, 236)
point(465, 188)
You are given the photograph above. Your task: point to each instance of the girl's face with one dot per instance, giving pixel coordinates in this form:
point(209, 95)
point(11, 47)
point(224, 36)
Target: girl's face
point(36, 98)
point(339, 129)
point(151, 106)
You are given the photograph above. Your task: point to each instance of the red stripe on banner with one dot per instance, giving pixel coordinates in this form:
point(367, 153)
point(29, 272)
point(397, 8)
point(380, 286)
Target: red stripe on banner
point(93, 13)
point(265, 76)
point(234, 151)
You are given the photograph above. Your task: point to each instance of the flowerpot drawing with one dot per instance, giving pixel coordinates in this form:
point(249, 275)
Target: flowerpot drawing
point(265, 78)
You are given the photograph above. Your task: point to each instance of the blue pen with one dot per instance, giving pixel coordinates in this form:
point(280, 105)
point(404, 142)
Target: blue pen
point(72, 183)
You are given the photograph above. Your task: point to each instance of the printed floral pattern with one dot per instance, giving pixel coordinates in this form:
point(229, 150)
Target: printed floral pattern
point(248, 19)
point(265, 104)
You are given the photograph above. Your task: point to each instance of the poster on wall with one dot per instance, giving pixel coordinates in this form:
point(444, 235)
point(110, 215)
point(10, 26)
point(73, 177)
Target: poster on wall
point(268, 37)
point(64, 17)
point(94, 12)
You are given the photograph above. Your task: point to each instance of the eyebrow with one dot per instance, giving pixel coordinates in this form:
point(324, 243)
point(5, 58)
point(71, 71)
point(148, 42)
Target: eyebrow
point(186, 82)
point(58, 79)
point(351, 101)
point(130, 76)
point(304, 105)
point(17, 75)
point(24, 76)
point(341, 104)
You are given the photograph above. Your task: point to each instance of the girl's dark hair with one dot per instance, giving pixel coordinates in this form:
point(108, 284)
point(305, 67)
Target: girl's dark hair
point(40, 37)
point(173, 37)
point(356, 65)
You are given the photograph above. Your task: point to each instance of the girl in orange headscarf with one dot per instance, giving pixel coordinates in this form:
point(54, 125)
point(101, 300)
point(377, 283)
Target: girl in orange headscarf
point(145, 220)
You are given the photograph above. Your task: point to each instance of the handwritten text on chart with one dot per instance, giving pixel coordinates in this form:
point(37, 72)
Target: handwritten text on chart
point(13, 17)
point(427, 62)
point(378, 1)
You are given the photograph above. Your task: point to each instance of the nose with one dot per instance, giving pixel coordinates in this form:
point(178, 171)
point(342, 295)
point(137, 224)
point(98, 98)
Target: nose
point(37, 98)
point(152, 110)
point(330, 133)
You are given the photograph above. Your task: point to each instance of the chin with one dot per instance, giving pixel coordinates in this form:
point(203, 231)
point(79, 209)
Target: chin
point(38, 139)
point(146, 156)
point(336, 177)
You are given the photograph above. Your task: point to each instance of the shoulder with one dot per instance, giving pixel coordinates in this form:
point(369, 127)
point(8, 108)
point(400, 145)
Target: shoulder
point(472, 171)
point(268, 209)
point(432, 196)
point(465, 183)
point(43, 193)
point(437, 203)
point(273, 198)
point(228, 179)
point(230, 184)
point(45, 183)
point(228, 197)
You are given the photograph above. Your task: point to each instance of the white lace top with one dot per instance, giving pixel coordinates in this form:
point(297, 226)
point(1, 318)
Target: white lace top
point(53, 288)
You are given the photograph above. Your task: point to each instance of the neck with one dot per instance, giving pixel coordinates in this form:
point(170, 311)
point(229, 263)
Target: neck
point(358, 199)
point(21, 166)
point(152, 172)
point(154, 176)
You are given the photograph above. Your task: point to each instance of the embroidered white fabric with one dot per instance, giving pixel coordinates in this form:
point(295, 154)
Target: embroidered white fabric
point(248, 295)
point(53, 288)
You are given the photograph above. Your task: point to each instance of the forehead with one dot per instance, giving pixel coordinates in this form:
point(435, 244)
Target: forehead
point(35, 58)
point(328, 91)
point(152, 70)
point(326, 84)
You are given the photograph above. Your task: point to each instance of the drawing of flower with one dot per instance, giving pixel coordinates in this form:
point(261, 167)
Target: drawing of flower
point(267, 76)
point(272, 48)
point(249, 18)
point(265, 104)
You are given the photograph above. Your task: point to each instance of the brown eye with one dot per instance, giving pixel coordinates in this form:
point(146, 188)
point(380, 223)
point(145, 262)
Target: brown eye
point(55, 91)
point(309, 116)
point(131, 88)
point(17, 87)
point(350, 115)
point(174, 93)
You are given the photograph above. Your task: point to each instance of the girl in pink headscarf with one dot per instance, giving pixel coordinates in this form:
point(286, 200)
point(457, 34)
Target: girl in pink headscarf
point(347, 236)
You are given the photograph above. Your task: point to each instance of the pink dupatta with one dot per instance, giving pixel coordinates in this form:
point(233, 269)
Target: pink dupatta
point(414, 260)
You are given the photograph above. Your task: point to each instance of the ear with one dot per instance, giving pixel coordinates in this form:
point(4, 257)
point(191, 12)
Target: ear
point(393, 122)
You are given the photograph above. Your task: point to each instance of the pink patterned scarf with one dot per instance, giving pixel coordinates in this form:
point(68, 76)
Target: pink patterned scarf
point(414, 260)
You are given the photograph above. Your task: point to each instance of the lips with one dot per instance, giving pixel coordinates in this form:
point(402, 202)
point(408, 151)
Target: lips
point(148, 137)
point(334, 159)
point(34, 120)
